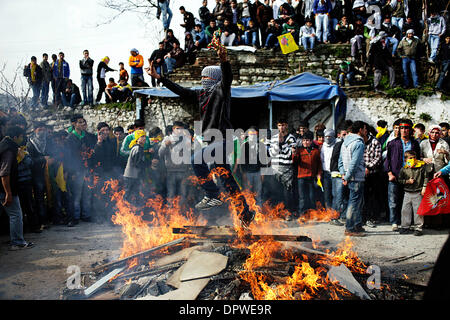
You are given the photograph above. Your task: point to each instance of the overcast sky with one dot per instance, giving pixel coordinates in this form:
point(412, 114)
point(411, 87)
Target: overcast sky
point(32, 27)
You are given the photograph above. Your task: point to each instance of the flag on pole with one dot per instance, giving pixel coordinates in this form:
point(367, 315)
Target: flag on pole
point(287, 43)
point(436, 199)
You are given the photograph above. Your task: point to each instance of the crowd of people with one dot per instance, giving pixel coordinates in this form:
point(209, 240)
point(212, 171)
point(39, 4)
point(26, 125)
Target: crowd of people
point(368, 175)
point(382, 34)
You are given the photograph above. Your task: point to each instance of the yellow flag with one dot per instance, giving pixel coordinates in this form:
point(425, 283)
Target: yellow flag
point(319, 183)
point(287, 43)
point(60, 179)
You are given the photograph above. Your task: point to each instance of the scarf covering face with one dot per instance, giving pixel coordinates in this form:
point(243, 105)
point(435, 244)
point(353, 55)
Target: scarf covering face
point(330, 137)
point(39, 142)
point(380, 132)
point(214, 74)
point(414, 163)
point(137, 135)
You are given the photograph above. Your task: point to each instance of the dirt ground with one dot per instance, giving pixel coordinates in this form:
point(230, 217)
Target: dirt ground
point(40, 273)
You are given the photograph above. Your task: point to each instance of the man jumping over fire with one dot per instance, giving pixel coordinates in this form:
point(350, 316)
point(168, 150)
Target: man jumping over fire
point(214, 100)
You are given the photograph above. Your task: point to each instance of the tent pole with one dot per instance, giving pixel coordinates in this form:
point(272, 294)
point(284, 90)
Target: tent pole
point(270, 116)
point(333, 112)
point(162, 113)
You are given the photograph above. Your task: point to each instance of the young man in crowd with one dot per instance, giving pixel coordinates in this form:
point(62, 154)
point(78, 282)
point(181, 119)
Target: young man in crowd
point(33, 73)
point(214, 102)
point(136, 62)
point(71, 95)
point(352, 169)
point(47, 76)
point(309, 170)
point(87, 85)
point(61, 73)
point(395, 160)
point(280, 151)
point(407, 50)
point(8, 188)
point(79, 146)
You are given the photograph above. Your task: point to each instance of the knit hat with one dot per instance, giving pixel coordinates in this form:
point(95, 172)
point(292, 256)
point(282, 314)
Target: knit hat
point(214, 74)
point(105, 59)
point(137, 134)
point(410, 31)
point(134, 50)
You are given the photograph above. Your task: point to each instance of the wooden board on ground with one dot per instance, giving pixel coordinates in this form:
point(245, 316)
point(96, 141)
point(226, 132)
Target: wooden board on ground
point(202, 265)
point(180, 255)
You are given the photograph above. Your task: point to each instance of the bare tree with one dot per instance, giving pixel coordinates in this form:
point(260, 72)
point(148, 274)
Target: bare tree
point(15, 89)
point(146, 8)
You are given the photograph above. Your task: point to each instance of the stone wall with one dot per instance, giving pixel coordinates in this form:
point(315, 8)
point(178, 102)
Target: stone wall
point(253, 67)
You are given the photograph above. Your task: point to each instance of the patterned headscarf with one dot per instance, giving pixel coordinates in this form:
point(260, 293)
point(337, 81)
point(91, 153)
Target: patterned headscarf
point(214, 74)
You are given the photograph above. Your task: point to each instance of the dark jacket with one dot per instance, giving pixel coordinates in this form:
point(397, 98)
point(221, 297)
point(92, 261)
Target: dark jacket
point(100, 66)
point(104, 158)
point(419, 175)
point(444, 52)
point(7, 145)
point(24, 173)
point(79, 150)
point(73, 89)
point(395, 154)
point(204, 14)
point(391, 30)
point(214, 105)
point(380, 57)
point(86, 67)
point(189, 21)
point(158, 54)
point(334, 164)
point(38, 157)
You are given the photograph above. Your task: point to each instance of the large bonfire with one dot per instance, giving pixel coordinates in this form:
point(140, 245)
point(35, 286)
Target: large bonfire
point(307, 278)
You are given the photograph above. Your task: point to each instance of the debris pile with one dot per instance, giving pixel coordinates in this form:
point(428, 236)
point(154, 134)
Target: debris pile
point(213, 263)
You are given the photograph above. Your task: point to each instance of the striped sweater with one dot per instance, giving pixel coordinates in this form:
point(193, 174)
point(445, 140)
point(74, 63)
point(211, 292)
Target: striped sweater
point(281, 153)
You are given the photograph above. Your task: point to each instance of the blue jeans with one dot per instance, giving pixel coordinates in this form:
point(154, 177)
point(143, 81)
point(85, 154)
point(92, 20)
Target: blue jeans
point(433, 42)
point(306, 194)
point(444, 70)
point(395, 199)
point(170, 64)
point(166, 14)
point(87, 87)
point(408, 63)
point(355, 204)
point(332, 25)
point(80, 197)
point(271, 41)
point(14, 212)
point(322, 27)
point(308, 42)
point(398, 22)
point(69, 103)
point(339, 191)
point(327, 189)
point(394, 42)
point(245, 21)
point(36, 88)
point(251, 37)
point(44, 92)
point(349, 76)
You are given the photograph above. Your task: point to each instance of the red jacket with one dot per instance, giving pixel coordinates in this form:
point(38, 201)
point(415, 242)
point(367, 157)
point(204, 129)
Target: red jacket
point(309, 164)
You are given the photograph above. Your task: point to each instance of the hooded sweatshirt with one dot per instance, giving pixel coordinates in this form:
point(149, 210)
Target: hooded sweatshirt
point(351, 159)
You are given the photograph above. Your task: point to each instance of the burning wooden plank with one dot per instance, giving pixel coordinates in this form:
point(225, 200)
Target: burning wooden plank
point(138, 255)
point(100, 283)
point(225, 234)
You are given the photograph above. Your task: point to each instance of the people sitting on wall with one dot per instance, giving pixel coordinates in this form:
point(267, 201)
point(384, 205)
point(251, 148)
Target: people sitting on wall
point(121, 92)
point(71, 95)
